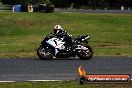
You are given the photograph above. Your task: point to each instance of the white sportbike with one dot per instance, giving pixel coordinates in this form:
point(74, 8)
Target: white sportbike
point(53, 46)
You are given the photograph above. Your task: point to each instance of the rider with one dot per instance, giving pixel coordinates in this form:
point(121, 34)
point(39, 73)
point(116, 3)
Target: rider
point(60, 33)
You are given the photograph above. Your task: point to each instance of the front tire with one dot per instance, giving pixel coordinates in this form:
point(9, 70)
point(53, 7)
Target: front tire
point(85, 54)
point(44, 53)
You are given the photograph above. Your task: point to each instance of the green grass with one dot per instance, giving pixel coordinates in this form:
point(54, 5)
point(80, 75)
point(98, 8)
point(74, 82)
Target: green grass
point(21, 33)
point(71, 84)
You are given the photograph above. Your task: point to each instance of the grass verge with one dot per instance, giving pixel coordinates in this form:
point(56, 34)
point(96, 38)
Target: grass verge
point(65, 84)
point(21, 33)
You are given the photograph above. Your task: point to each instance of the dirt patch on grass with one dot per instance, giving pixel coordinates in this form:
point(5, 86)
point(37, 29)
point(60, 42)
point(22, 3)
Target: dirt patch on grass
point(29, 23)
point(24, 23)
point(114, 45)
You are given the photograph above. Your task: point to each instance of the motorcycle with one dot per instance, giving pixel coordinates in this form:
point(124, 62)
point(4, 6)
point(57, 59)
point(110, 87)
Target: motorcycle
point(52, 46)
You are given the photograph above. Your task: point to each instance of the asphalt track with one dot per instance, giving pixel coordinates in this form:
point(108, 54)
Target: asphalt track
point(61, 69)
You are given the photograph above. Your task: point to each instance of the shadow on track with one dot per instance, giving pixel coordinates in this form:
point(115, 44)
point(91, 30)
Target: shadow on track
point(61, 59)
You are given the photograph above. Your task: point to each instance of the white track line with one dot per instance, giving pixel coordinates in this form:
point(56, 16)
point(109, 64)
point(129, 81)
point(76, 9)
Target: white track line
point(32, 81)
point(7, 81)
point(35, 81)
point(43, 80)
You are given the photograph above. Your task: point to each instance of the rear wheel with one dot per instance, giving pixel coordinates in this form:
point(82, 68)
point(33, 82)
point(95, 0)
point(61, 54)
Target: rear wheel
point(85, 54)
point(44, 53)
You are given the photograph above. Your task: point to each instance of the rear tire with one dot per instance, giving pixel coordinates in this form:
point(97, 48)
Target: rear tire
point(85, 54)
point(44, 53)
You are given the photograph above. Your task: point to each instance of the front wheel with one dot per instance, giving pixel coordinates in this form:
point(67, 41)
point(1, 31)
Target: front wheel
point(44, 53)
point(85, 54)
